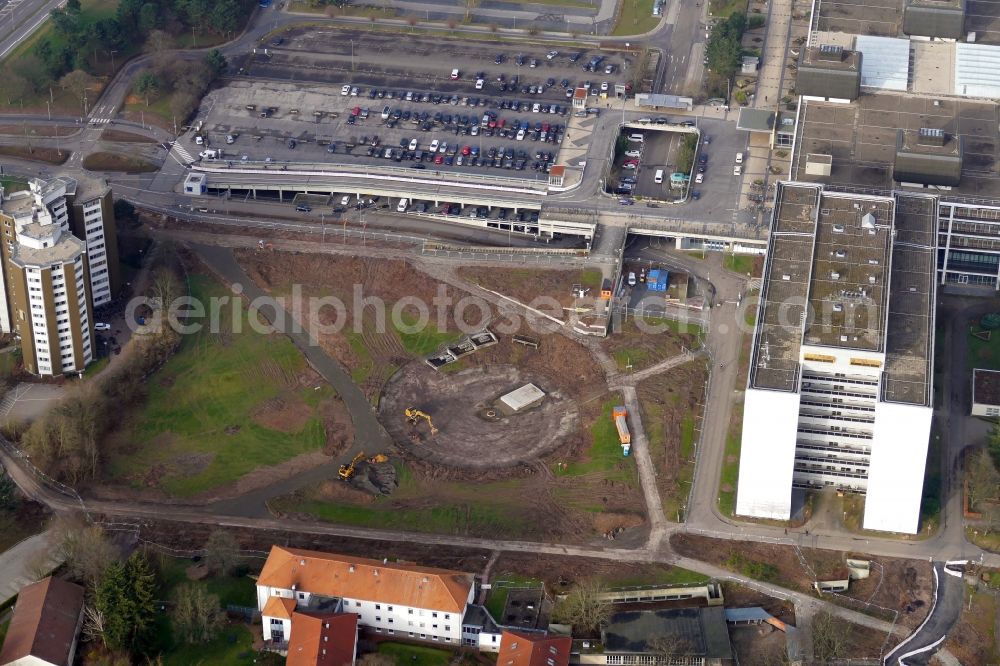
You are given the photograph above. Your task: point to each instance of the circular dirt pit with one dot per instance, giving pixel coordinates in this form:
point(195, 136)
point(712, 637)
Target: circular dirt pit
point(459, 402)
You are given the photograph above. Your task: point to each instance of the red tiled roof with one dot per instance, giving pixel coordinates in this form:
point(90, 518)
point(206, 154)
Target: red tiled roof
point(524, 649)
point(322, 640)
point(45, 622)
point(279, 607)
point(343, 576)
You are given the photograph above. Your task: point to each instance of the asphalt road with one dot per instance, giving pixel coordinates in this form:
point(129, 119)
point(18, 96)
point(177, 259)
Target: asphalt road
point(19, 19)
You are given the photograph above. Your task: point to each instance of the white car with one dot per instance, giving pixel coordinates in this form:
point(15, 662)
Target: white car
point(739, 158)
point(101, 326)
point(604, 86)
point(633, 153)
point(520, 135)
point(346, 199)
point(413, 144)
point(630, 166)
point(480, 83)
point(737, 170)
point(444, 148)
point(346, 90)
point(631, 279)
point(403, 205)
point(454, 74)
point(434, 145)
point(354, 92)
point(699, 178)
point(551, 54)
point(536, 107)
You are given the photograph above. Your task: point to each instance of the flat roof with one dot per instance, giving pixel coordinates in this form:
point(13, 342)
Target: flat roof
point(702, 631)
point(67, 249)
point(847, 293)
point(886, 62)
point(861, 138)
point(912, 141)
point(909, 336)
point(985, 387)
point(861, 17)
point(778, 338)
point(825, 56)
point(756, 120)
point(523, 397)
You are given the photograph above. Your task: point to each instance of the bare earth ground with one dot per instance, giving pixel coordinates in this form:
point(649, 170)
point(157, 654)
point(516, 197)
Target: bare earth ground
point(973, 639)
point(903, 585)
point(630, 346)
point(528, 284)
point(519, 468)
point(459, 403)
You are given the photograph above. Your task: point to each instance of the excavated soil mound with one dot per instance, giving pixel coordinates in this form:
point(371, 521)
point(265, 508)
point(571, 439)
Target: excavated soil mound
point(457, 402)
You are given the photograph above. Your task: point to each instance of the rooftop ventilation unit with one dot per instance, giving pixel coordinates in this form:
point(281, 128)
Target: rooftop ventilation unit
point(831, 52)
point(929, 136)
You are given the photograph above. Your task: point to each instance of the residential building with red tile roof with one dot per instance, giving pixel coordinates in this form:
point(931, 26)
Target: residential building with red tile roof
point(322, 639)
point(408, 601)
point(519, 648)
point(45, 625)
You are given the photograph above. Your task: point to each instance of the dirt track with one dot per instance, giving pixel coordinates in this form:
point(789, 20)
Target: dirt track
point(456, 402)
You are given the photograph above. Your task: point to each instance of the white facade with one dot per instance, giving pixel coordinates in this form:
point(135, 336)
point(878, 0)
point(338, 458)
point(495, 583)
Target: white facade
point(97, 253)
point(437, 625)
point(767, 455)
point(896, 474)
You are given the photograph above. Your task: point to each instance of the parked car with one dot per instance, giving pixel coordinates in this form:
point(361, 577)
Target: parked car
point(101, 326)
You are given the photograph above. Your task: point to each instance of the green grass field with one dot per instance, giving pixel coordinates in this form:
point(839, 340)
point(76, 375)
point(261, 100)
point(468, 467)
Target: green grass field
point(724, 8)
point(738, 263)
point(415, 655)
point(196, 430)
point(731, 468)
point(605, 452)
point(232, 646)
point(501, 586)
point(11, 185)
point(657, 575)
point(424, 342)
point(983, 353)
point(636, 18)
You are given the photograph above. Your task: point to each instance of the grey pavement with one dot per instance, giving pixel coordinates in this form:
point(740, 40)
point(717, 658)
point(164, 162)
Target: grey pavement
point(26, 401)
point(21, 564)
point(923, 643)
point(20, 19)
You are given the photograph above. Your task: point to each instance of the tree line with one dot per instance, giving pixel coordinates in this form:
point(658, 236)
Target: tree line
point(725, 52)
point(80, 44)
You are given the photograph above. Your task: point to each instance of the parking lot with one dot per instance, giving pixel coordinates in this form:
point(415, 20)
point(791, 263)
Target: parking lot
point(385, 61)
point(318, 123)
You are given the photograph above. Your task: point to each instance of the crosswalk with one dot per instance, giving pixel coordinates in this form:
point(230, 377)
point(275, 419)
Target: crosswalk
point(100, 121)
point(182, 155)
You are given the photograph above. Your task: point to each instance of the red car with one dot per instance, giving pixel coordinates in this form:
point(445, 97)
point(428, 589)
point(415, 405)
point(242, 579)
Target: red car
point(633, 162)
point(545, 127)
point(356, 111)
point(466, 150)
point(502, 123)
point(439, 159)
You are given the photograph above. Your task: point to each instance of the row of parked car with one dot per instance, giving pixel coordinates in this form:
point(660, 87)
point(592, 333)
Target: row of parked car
point(440, 153)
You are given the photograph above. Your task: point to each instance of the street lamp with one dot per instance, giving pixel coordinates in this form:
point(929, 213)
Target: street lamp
point(113, 52)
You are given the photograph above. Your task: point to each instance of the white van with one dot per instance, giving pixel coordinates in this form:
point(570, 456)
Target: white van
point(403, 205)
point(739, 158)
point(635, 137)
point(658, 178)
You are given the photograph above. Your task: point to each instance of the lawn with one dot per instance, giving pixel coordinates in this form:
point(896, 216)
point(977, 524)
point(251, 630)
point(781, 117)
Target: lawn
point(500, 589)
point(196, 430)
point(104, 161)
point(415, 655)
point(232, 646)
point(738, 263)
point(36, 153)
point(424, 342)
point(983, 353)
point(159, 107)
point(657, 575)
point(448, 517)
point(724, 8)
point(11, 185)
point(96, 366)
point(636, 18)
point(605, 451)
point(731, 464)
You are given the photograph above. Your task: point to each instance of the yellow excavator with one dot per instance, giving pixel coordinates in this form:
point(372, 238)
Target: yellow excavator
point(347, 471)
point(378, 458)
point(413, 415)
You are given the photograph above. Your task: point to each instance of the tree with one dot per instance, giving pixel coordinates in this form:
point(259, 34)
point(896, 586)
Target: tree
point(670, 647)
point(146, 85)
point(224, 16)
point(584, 606)
point(983, 478)
point(15, 87)
point(66, 23)
point(73, 5)
point(158, 41)
point(216, 62)
point(222, 554)
point(8, 492)
point(196, 614)
point(831, 636)
point(85, 550)
point(993, 446)
point(76, 82)
point(124, 211)
point(148, 18)
point(125, 599)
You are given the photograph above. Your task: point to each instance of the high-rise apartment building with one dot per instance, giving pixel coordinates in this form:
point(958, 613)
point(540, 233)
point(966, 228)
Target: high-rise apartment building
point(51, 279)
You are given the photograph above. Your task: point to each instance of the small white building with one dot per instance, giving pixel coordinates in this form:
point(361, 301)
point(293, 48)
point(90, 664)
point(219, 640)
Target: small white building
point(419, 603)
point(985, 393)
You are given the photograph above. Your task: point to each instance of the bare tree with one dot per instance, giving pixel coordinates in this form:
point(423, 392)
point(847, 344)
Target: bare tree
point(669, 647)
point(831, 636)
point(76, 82)
point(158, 42)
point(86, 552)
point(983, 479)
point(584, 606)
point(222, 554)
point(93, 624)
point(451, 23)
point(412, 22)
point(196, 614)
